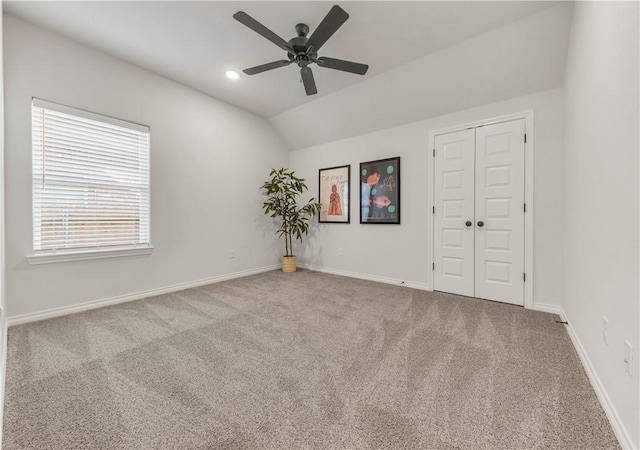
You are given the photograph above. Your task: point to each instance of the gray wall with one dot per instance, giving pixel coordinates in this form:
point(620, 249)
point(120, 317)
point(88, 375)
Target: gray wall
point(3, 315)
point(402, 252)
point(600, 196)
point(208, 160)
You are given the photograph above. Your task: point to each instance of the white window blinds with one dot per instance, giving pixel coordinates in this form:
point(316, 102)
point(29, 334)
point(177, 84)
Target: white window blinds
point(90, 181)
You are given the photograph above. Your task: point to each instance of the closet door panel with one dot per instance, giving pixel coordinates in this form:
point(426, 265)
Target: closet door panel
point(499, 211)
point(454, 208)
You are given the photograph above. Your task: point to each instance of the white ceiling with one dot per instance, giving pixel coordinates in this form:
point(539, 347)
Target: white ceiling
point(195, 42)
point(521, 58)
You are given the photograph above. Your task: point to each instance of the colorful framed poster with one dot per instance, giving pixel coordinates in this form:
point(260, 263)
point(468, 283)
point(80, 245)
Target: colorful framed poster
point(334, 194)
point(380, 191)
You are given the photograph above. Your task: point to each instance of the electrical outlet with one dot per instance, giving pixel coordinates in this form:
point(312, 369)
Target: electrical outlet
point(232, 254)
point(605, 330)
point(628, 358)
point(340, 251)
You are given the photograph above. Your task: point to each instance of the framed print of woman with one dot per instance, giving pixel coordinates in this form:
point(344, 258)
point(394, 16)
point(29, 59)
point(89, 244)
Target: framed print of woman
point(333, 185)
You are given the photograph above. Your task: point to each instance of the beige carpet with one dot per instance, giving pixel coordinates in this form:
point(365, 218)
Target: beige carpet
point(308, 360)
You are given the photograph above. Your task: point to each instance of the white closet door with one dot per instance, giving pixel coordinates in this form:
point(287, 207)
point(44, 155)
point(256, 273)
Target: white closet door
point(454, 207)
point(499, 212)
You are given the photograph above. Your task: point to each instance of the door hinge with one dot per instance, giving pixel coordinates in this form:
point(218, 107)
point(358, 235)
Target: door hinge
point(525, 207)
point(525, 138)
point(433, 266)
point(433, 209)
point(434, 152)
point(524, 277)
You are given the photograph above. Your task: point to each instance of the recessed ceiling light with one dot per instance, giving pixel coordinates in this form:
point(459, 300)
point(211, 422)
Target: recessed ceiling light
point(232, 74)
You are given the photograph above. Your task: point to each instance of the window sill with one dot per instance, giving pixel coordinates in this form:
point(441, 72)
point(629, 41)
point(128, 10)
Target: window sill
point(47, 258)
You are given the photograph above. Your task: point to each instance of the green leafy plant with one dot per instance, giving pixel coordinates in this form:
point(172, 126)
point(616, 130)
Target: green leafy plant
point(282, 192)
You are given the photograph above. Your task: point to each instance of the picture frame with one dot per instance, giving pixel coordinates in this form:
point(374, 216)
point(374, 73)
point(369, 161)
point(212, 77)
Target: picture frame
point(334, 185)
point(380, 191)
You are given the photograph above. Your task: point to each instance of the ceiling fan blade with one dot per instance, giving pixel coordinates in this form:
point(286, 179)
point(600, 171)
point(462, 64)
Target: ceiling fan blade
point(329, 25)
point(308, 81)
point(263, 31)
point(268, 66)
point(339, 64)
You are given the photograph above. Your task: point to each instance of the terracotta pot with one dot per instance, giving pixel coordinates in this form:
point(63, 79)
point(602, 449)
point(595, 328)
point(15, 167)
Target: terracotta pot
point(288, 264)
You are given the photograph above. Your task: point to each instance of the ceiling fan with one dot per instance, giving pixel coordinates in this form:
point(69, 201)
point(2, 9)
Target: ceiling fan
point(303, 50)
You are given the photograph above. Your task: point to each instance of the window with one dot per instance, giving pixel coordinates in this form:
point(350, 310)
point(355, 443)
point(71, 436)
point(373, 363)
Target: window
point(90, 183)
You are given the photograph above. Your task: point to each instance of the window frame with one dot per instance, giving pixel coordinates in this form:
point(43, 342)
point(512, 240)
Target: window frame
point(89, 252)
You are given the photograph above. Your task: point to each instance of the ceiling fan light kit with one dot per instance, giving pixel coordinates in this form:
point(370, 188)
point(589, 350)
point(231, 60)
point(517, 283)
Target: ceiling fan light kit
point(303, 50)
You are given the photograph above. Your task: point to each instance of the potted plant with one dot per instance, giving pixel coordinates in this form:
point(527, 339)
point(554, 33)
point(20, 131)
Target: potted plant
point(282, 192)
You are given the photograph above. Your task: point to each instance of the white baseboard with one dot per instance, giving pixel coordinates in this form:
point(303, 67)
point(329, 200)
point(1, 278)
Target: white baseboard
point(56, 312)
point(614, 419)
point(543, 307)
point(363, 276)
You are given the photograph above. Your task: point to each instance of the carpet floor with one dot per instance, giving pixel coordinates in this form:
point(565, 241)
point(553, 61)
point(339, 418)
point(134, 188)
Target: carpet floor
point(308, 360)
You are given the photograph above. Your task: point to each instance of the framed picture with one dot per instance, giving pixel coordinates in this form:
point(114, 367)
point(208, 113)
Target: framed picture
point(334, 194)
point(380, 191)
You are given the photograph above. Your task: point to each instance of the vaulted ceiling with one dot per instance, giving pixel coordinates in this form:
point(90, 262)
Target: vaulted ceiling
point(417, 52)
point(195, 42)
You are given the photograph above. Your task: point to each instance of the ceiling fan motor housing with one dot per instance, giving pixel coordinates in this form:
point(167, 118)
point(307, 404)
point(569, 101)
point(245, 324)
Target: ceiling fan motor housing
point(302, 55)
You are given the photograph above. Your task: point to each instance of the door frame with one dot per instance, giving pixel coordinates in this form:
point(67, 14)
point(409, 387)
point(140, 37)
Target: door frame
point(528, 116)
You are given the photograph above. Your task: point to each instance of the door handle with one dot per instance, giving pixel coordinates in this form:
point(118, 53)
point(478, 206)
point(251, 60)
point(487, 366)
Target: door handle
point(480, 223)
point(469, 223)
